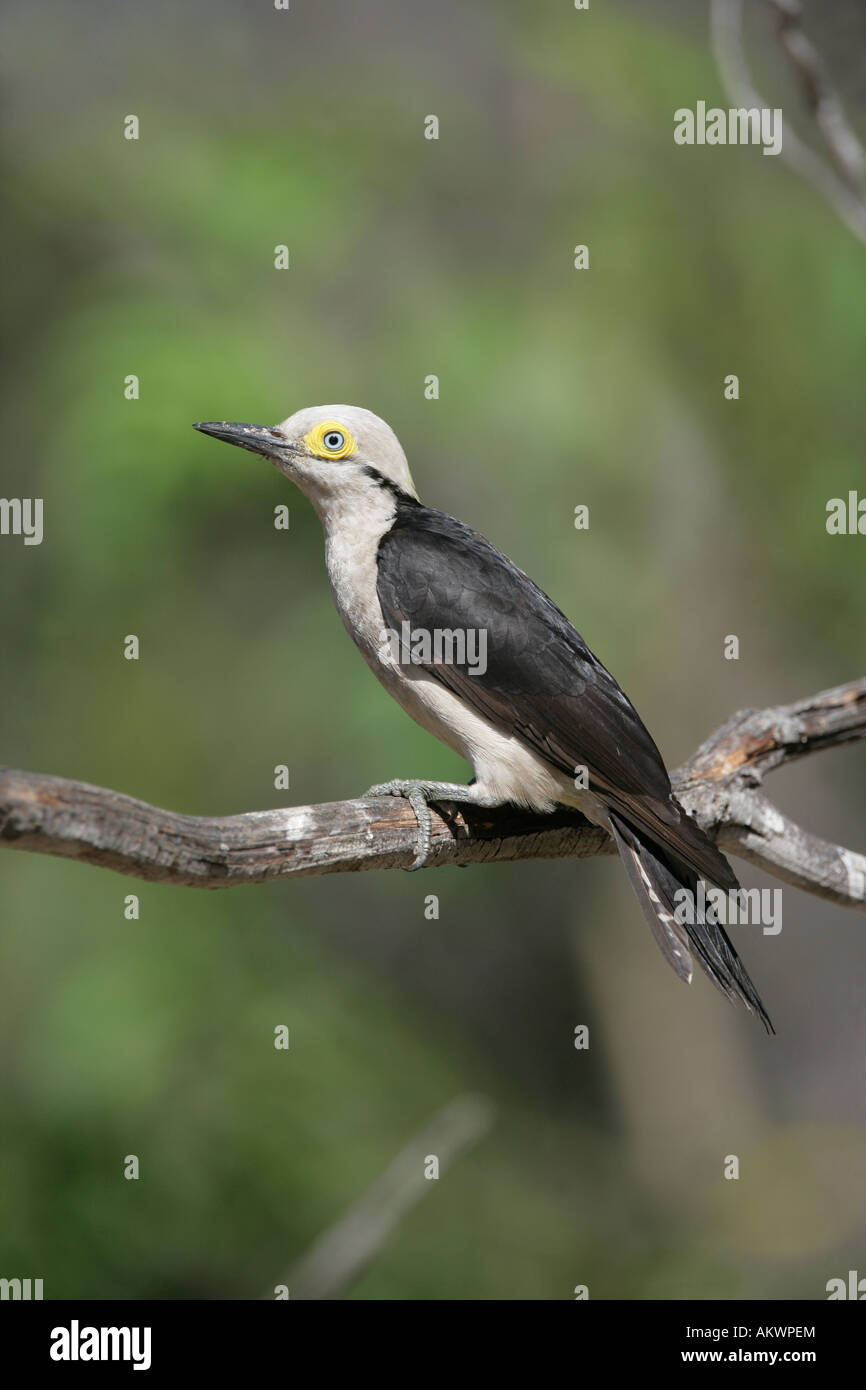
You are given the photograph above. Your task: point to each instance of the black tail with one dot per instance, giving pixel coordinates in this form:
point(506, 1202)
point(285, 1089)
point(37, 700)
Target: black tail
point(656, 879)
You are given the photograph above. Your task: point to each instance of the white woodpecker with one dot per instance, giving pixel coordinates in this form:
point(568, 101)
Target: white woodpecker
point(408, 582)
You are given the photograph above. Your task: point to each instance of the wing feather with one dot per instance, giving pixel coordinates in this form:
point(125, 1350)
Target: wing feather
point(542, 682)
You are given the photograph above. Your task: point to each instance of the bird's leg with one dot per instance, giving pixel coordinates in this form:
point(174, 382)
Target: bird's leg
point(420, 795)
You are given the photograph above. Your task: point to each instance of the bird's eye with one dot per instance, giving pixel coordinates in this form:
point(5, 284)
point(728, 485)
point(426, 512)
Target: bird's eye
point(330, 440)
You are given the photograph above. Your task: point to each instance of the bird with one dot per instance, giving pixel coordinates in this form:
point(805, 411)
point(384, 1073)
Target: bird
point(541, 721)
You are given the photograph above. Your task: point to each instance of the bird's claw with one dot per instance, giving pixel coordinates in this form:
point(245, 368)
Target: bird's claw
point(416, 794)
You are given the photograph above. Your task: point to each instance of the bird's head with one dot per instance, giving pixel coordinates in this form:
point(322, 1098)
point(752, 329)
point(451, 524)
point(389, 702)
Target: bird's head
point(329, 451)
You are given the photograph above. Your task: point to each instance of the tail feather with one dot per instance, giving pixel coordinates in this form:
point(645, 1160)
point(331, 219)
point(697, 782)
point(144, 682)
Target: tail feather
point(656, 880)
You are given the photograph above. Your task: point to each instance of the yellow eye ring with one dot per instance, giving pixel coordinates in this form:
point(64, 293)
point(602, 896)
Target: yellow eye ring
point(330, 440)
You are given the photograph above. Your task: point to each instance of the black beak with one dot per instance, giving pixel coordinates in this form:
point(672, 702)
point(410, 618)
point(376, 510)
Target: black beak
point(259, 439)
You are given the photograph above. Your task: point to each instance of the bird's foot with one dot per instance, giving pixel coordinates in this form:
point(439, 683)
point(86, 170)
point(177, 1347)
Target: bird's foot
point(419, 795)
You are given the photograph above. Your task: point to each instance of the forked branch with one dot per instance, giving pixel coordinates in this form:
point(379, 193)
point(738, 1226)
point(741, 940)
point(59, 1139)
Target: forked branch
point(720, 785)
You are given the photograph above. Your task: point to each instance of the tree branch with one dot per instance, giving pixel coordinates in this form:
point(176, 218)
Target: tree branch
point(842, 144)
point(720, 785)
point(735, 760)
point(839, 183)
point(344, 1252)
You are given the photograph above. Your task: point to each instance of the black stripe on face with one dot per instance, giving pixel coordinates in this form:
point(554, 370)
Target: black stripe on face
point(388, 485)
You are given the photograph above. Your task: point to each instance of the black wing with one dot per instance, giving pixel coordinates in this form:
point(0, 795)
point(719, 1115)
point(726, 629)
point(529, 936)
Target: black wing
point(542, 682)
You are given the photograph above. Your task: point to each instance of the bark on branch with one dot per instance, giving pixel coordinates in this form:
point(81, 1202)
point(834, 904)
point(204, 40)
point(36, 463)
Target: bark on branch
point(720, 785)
